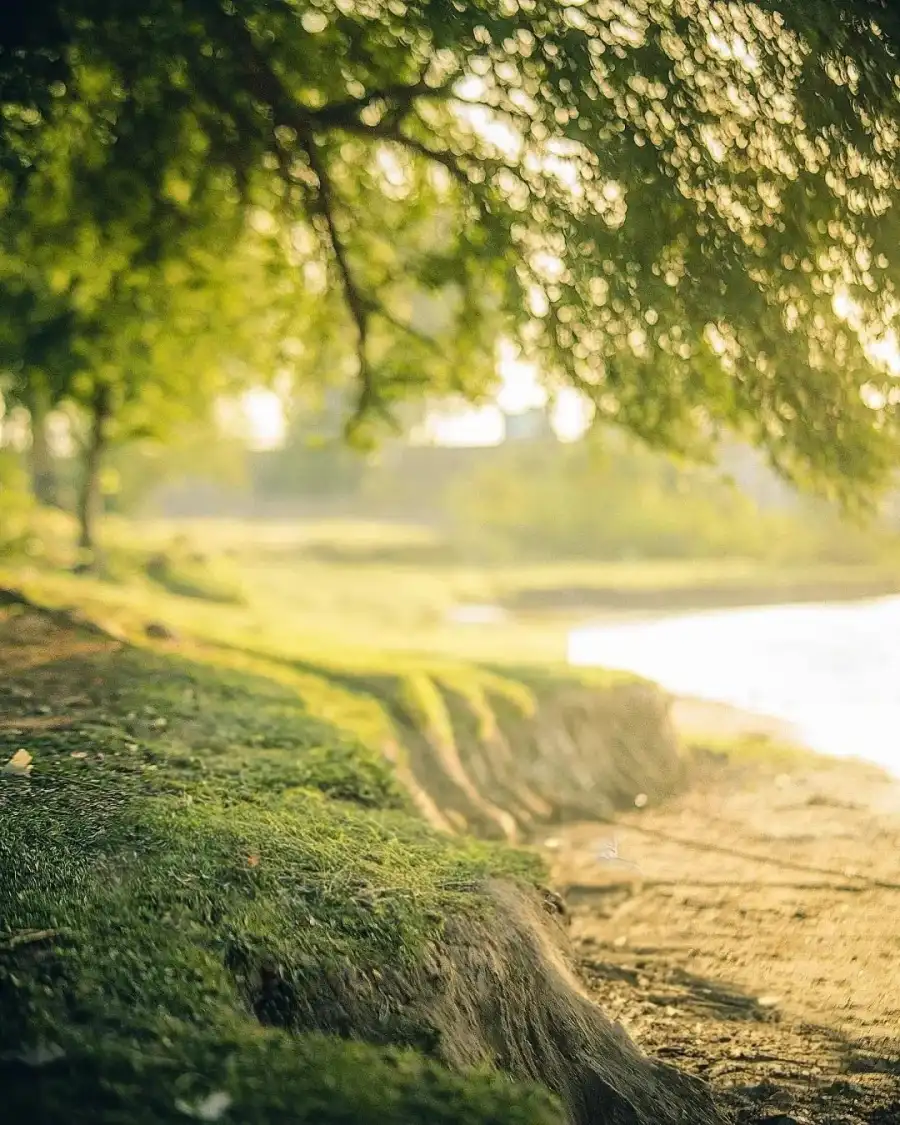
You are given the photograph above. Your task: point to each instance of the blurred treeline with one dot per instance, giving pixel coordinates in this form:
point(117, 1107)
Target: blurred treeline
point(605, 497)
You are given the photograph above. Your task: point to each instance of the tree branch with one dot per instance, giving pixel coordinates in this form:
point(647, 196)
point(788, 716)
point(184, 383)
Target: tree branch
point(337, 113)
point(408, 329)
point(267, 87)
point(359, 307)
point(438, 156)
point(448, 160)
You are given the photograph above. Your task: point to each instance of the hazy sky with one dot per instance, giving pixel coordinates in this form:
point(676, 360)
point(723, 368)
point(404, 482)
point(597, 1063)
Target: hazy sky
point(520, 390)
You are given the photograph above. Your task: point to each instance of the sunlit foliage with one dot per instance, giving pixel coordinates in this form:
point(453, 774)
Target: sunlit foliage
point(683, 207)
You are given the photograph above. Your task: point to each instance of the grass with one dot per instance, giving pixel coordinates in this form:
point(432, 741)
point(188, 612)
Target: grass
point(218, 868)
point(392, 589)
point(196, 863)
point(191, 576)
point(218, 894)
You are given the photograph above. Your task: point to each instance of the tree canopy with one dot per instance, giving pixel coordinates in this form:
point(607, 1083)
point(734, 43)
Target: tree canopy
point(685, 208)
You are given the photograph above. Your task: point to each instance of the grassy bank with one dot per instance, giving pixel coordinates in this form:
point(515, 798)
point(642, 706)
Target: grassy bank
point(260, 866)
point(195, 848)
point(221, 896)
point(290, 586)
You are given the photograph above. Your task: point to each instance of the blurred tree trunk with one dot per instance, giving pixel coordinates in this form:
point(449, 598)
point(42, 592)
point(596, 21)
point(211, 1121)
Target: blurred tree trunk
point(90, 496)
point(43, 471)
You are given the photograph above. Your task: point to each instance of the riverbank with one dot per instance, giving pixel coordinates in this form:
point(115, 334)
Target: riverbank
point(225, 852)
point(405, 590)
point(221, 898)
point(829, 671)
point(749, 933)
point(704, 720)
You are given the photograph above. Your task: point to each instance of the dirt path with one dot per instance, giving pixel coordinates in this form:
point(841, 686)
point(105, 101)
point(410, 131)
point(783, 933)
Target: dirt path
point(777, 978)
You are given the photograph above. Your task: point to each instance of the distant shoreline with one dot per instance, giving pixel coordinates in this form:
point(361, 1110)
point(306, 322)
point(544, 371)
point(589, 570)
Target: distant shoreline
point(820, 715)
point(668, 600)
point(707, 718)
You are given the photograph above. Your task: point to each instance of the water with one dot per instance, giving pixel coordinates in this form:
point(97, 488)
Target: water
point(832, 671)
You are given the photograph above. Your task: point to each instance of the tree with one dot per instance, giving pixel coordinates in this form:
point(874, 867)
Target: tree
point(151, 353)
point(683, 207)
point(139, 318)
point(609, 497)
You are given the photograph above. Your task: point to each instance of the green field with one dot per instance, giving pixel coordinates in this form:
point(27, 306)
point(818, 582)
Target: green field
point(376, 588)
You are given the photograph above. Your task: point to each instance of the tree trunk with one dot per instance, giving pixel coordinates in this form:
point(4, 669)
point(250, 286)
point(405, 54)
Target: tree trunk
point(90, 497)
point(43, 473)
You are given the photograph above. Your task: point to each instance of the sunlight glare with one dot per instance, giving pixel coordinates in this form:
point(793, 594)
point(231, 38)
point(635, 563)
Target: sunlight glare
point(263, 418)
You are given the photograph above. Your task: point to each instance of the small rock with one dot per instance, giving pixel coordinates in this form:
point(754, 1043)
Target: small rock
point(19, 765)
point(768, 1001)
point(208, 1109)
point(157, 631)
point(552, 902)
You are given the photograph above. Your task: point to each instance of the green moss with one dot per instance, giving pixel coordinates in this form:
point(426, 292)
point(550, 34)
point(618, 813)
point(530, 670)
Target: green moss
point(473, 694)
point(263, 1077)
point(193, 864)
point(422, 702)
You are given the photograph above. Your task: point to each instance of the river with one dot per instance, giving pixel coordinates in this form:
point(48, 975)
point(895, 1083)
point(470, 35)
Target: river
point(832, 670)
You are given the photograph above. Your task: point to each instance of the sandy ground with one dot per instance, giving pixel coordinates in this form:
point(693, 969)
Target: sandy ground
point(750, 930)
point(703, 717)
